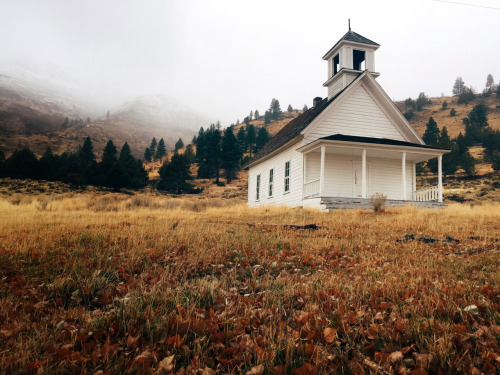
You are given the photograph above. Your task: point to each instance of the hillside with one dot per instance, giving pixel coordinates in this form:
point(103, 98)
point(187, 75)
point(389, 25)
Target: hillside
point(33, 108)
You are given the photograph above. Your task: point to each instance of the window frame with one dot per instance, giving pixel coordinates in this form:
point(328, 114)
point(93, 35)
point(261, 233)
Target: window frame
point(257, 188)
point(271, 183)
point(286, 188)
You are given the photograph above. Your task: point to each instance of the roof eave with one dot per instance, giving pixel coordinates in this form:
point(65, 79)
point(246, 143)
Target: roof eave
point(288, 144)
point(336, 47)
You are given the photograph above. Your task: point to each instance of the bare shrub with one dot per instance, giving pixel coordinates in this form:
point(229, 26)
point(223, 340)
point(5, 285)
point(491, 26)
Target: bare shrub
point(377, 201)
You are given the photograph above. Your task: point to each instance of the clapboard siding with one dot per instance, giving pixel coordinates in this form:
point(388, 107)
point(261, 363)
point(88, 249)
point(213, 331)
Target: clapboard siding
point(292, 198)
point(335, 88)
point(384, 176)
point(357, 115)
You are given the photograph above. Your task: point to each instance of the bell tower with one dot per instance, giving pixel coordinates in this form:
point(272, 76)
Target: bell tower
point(349, 57)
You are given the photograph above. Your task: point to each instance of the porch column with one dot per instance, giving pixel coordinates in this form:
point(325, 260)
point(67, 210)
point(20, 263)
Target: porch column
point(322, 172)
point(403, 171)
point(363, 174)
point(440, 178)
point(414, 179)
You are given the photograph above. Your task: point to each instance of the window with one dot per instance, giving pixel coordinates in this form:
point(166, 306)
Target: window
point(358, 60)
point(271, 179)
point(257, 191)
point(287, 177)
point(335, 64)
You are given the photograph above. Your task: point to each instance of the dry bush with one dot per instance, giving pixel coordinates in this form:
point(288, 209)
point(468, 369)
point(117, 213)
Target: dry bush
point(377, 201)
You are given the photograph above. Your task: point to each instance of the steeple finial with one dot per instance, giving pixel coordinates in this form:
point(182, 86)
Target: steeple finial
point(349, 21)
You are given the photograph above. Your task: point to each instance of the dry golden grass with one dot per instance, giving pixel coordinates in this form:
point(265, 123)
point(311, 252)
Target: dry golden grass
point(136, 284)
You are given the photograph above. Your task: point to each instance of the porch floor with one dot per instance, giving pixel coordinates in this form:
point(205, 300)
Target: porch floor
point(338, 203)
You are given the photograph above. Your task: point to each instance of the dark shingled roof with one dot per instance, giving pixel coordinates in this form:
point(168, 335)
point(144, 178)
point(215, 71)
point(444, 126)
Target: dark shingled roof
point(381, 141)
point(351, 36)
point(292, 129)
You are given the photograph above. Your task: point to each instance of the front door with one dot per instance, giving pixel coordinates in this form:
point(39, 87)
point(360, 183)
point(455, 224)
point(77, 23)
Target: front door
point(357, 178)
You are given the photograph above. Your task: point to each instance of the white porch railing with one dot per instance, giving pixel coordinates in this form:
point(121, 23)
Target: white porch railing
point(311, 188)
point(430, 193)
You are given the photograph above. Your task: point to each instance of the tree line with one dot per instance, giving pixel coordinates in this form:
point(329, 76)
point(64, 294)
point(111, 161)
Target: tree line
point(115, 170)
point(477, 132)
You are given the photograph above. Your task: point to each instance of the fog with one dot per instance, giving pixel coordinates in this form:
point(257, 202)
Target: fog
point(226, 57)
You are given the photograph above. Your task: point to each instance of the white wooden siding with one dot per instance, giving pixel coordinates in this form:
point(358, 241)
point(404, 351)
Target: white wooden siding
point(291, 198)
point(384, 176)
point(357, 115)
point(335, 88)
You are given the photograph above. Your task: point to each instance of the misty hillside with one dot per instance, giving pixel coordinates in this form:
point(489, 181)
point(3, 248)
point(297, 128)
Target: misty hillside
point(34, 106)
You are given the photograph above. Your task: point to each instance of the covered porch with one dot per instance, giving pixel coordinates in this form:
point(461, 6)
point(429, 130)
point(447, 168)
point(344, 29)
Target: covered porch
point(357, 167)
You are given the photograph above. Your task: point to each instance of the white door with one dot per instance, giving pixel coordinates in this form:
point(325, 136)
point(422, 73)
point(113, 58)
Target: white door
point(357, 179)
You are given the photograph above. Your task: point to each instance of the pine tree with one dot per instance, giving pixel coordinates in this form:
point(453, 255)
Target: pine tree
point(490, 82)
point(147, 155)
point(262, 138)
point(48, 165)
point(109, 174)
point(431, 134)
point(444, 105)
point(458, 87)
point(179, 144)
point(305, 108)
point(174, 175)
point(275, 109)
point(189, 153)
point(152, 147)
point(161, 150)
point(453, 112)
point(475, 123)
point(421, 101)
point(256, 114)
point(133, 174)
point(290, 109)
point(267, 117)
point(86, 161)
point(450, 164)
point(2, 163)
point(251, 116)
point(251, 138)
point(242, 139)
point(464, 158)
point(209, 154)
point(231, 155)
point(22, 164)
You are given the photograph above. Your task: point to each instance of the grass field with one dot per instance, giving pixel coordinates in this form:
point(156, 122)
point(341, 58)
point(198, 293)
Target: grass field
point(112, 283)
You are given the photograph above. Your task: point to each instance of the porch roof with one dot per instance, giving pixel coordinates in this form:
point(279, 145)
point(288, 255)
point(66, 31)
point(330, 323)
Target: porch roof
point(376, 147)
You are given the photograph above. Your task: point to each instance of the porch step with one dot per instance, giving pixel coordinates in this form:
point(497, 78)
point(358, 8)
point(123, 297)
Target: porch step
point(330, 204)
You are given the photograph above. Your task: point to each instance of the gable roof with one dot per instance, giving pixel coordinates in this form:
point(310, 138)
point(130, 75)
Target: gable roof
point(351, 36)
point(293, 129)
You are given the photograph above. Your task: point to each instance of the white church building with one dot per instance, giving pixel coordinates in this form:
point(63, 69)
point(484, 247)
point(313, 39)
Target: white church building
point(348, 146)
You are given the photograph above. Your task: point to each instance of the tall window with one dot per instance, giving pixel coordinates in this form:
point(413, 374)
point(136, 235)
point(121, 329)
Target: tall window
point(335, 64)
point(271, 180)
point(287, 176)
point(257, 191)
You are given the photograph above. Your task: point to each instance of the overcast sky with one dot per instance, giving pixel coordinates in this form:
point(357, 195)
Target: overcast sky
point(227, 57)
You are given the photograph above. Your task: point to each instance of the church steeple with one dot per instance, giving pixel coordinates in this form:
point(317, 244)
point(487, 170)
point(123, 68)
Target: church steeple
point(349, 57)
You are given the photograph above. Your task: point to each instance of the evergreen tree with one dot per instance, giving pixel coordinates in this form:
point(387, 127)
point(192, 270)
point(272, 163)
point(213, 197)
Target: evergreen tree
point(290, 109)
point(466, 96)
point(110, 174)
point(489, 83)
point(251, 116)
point(132, 173)
point(475, 122)
point(305, 108)
point(48, 165)
point(464, 158)
point(147, 155)
point(431, 134)
point(2, 162)
point(257, 114)
point(251, 138)
point(174, 175)
point(208, 154)
point(267, 117)
point(421, 101)
point(453, 112)
point(241, 137)
point(262, 138)
point(22, 164)
point(179, 144)
point(275, 110)
point(458, 87)
point(444, 105)
point(152, 147)
point(200, 147)
point(189, 153)
point(161, 150)
point(231, 155)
